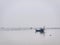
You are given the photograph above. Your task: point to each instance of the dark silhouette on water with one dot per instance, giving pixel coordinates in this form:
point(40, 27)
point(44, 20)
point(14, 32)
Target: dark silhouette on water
point(41, 30)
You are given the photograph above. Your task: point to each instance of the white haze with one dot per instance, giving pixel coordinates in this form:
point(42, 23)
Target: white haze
point(29, 13)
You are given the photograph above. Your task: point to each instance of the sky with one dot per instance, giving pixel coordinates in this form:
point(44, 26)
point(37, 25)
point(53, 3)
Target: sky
point(28, 13)
point(19, 13)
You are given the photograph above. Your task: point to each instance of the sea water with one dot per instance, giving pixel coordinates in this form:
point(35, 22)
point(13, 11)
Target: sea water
point(29, 37)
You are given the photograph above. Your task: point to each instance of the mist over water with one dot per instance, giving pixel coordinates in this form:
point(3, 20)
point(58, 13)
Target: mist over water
point(29, 37)
point(29, 13)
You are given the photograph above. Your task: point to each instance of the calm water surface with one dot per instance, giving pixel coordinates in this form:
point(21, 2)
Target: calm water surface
point(29, 37)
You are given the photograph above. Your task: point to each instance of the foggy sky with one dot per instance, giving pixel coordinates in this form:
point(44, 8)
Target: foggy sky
point(19, 13)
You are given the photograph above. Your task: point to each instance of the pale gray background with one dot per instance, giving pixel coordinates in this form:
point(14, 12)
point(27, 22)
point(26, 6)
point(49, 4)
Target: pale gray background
point(27, 13)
